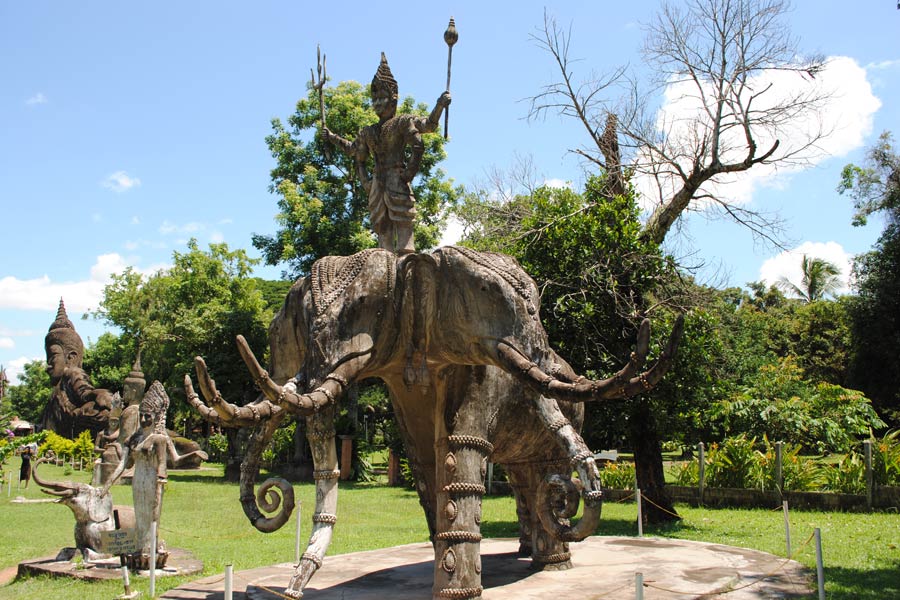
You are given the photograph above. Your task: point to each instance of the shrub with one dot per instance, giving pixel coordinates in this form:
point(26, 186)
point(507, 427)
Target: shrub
point(734, 464)
point(217, 447)
point(848, 476)
point(886, 459)
point(617, 476)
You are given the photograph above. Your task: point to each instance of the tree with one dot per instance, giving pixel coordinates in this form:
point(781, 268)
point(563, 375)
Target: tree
point(108, 360)
point(717, 57)
point(819, 278)
point(875, 312)
point(30, 396)
point(322, 208)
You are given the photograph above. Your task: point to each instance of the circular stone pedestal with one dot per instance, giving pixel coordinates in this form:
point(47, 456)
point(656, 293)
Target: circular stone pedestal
point(602, 567)
point(181, 562)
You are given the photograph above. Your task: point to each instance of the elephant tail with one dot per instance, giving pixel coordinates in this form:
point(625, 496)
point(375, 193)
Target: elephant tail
point(266, 498)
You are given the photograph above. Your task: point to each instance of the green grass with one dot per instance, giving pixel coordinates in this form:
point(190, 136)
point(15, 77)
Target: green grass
point(202, 514)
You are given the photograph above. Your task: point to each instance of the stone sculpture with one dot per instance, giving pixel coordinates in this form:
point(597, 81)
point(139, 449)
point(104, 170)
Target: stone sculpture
point(395, 145)
point(93, 509)
point(75, 405)
point(147, 450)
point(124, 423)
point(456, 336)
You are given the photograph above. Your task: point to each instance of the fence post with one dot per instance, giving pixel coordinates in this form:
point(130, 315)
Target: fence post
point(229, 585)
point(820, 567)
point(779, 467)
point(638, 586)
point(297, 535)
point(640, 515)
point(490, 478)
point(152, 565)
point(701, 456)
point(787, 527)
point(870, 479)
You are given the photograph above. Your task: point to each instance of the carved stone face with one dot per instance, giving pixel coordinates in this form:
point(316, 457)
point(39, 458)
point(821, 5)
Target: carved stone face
point(57, 361)
point(385, 105)
point(147, 419)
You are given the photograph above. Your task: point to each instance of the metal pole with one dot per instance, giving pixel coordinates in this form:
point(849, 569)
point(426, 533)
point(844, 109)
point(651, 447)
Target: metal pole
point(127, 581)
point(297, 538)
point(640, 515)
point(701, 456)
point(490, 476)
point(152, 564)
point(820, 569)
point(787, 527)
point(638, 586)
point(779, 466)
point(229, 577)
point(870, 479)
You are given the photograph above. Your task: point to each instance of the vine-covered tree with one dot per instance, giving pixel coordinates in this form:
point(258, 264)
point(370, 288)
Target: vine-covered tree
point(322, 207)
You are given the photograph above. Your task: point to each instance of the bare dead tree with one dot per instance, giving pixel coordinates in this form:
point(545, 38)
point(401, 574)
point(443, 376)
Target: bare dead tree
point(729, 66)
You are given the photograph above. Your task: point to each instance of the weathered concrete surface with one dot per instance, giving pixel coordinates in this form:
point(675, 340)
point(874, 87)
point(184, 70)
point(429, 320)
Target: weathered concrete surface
point(180, 562)
point(603, 567)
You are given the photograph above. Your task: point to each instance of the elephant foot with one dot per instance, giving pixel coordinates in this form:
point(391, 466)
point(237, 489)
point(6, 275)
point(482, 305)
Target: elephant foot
point(553, 562)
point(459, 593)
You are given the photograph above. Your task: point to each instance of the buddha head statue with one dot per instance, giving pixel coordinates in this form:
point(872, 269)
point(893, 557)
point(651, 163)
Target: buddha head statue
point(63, 345)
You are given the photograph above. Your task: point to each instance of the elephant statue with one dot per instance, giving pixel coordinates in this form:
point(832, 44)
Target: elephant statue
point(93, 509)
point(457, 339)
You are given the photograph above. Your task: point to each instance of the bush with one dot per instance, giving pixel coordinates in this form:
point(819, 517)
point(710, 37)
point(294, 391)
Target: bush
point(617, 476)
point(217, 447)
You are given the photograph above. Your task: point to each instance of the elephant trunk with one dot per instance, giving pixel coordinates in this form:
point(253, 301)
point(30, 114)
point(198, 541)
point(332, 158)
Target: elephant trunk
point(65, 490)
point(579, 389)
point(558, 501)
point(266, 498)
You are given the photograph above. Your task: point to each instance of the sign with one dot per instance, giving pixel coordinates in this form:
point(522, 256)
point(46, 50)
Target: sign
point(119, 541)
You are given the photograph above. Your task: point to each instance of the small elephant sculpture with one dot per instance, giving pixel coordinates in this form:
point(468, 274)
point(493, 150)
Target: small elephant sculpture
point(93, 509)
point(456, 337)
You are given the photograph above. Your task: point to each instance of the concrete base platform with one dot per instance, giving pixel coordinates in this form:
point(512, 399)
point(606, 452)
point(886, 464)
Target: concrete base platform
point(603, 567)
point(180, 562)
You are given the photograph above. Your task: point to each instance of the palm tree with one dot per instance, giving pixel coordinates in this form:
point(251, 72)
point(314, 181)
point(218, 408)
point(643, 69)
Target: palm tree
point(820, 278)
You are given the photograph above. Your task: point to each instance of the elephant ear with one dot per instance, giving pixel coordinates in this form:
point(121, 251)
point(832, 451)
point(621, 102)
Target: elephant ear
point(100, 505)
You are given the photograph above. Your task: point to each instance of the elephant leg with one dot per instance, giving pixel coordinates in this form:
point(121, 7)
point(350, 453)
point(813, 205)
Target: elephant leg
point(462, 461)
point(547, 552)
point(521, 484)
point(320, 433)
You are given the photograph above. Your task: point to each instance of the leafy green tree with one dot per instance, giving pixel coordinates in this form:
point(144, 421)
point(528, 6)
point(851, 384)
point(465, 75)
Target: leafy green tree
point(197, 307)
point(30, 396)
point(875, 367)
point(322, 208)
point(819, 278)
point(273, 292)
point(108, 360)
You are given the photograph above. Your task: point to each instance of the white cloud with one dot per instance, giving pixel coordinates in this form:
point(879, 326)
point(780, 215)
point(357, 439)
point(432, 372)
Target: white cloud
point(16, 367)
point(453, 233)
point(43, 294)
point(7, 343)
point(120, 181)
point(846, 116)
point(884, 64)
point(558, 183)
point(168, 227)
point(135, 220)
point(787, 264)
point(38, 98)
point(216, 237)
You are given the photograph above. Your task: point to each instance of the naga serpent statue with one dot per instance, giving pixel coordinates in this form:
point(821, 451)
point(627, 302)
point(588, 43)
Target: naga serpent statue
point(457, 339)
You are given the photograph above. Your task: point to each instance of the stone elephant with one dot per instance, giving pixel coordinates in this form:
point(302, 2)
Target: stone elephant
point(93, 510)
point(456, 337)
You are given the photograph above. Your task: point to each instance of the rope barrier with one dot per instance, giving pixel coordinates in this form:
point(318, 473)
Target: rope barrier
point(607, 593)
point(677, 516)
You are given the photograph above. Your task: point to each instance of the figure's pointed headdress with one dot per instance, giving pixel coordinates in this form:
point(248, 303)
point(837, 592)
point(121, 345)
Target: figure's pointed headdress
point(156, 402)
point(384, 80)
point(62, 332)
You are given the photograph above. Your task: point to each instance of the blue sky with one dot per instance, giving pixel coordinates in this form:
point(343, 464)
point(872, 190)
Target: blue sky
point(126, 128)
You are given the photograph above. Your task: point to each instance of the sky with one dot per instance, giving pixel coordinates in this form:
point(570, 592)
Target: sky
point(128, 128)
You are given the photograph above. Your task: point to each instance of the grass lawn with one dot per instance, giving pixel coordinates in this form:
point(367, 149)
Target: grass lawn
point(203, 515)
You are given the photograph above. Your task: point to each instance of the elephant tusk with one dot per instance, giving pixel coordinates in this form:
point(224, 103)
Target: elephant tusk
point(222, 412)
point(621, 385)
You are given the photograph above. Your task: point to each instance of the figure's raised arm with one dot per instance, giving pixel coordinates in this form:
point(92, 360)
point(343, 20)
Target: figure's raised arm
point(343, 144)
point(434, 119)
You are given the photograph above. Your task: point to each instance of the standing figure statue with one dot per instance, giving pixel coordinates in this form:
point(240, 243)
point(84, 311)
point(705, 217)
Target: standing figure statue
point(75, 405)
point(391, 201)
point(147, 450)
